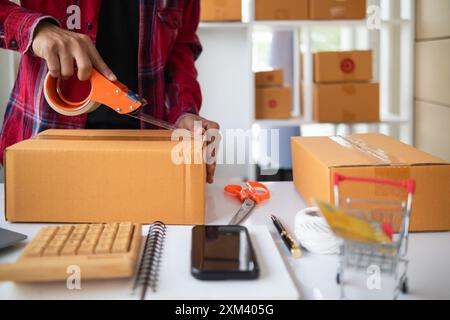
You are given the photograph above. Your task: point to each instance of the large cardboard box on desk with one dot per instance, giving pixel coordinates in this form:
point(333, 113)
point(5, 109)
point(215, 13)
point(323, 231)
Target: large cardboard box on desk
point(343, 66)
point(220, 10)
point(346, 102)
point(281, 9)
point(316, 159)
point(337, 9)
point(103, 176)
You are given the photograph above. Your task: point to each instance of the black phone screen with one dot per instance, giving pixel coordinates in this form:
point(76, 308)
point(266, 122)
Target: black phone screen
point(223, 252)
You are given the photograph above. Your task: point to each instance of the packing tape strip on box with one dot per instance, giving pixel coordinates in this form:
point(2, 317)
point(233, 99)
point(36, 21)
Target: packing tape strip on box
point(375, 155)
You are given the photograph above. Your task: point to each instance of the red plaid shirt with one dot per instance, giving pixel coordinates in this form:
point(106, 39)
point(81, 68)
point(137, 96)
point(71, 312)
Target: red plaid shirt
point(168, 48)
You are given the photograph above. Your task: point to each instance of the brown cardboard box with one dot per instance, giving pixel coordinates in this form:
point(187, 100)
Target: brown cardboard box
point(221, 10)
point(281, 9)
point(316, 159)
point(337, 9)
point(269, 78)
point(343, 66)
point(273, 103)
point(102, 176)
point(346, 103)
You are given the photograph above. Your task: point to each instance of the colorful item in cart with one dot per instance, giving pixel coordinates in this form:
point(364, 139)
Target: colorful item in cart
point(289, 241)
point(351, 227)
point(97, 91)
point(251, 194)
point(100, 251)
point(314, 233)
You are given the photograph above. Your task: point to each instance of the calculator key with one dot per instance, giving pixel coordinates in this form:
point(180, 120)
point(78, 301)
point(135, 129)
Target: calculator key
point(34, 251)
point(86, 249)
point(69, 250)
point(60, 237)
point(51, 251)
point(81, 229)
point(103, 248)
point(76, 236)
point(66, 230)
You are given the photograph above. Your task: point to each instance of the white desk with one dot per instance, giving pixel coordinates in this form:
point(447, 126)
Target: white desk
point(429, 268)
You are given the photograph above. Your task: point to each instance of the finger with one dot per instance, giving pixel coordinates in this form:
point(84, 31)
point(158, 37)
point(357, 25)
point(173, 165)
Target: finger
point(53, 65)
point(66, 61)
point(211, 125)
point(99, 64)
point(84, 65)
point(210, 171)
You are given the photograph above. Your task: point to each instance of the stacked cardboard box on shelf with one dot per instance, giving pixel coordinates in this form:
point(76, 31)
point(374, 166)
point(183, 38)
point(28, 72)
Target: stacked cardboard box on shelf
point(273, 100)
point(309, 9)
point(343, 91)
point(231, 10)
point(337, 9)
point(221, 10)
point(281, 9)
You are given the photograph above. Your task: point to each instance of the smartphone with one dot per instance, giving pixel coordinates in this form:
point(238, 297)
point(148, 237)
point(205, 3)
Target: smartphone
point(223, 253)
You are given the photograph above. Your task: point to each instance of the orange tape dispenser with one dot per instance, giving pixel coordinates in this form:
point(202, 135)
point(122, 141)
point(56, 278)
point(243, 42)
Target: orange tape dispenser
point(97, 91)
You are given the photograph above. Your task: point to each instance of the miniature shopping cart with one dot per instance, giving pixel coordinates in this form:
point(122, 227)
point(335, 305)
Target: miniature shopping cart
point(389, 258)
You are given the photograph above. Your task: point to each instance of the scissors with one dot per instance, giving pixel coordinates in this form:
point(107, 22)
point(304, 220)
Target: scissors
point(115, 95)
point(251, 194)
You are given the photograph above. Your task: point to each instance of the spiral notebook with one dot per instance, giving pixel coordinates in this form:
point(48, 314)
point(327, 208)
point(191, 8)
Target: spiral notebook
point(166, 268)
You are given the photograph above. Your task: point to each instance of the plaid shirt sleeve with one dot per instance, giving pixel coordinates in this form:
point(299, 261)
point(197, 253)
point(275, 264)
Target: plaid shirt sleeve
point(17, 26)
point(184, 93)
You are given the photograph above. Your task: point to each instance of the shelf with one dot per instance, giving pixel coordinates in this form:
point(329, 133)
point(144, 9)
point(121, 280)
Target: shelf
point(296, 121)
point(223, 25)
point(291, 24)
point(281, 24)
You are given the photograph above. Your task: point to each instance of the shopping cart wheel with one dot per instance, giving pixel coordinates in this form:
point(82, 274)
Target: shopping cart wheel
point(338, 278)
point(404, 286)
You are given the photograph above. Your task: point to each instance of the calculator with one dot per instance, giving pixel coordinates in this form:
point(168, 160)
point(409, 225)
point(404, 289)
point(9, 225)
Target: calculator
point(93, 251)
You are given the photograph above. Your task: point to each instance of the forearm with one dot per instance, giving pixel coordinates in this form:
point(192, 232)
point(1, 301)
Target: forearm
point(17, 26)
point(183, 90)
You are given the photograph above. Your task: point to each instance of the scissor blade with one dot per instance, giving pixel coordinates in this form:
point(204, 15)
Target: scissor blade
point(243, 212)
point(151, 120)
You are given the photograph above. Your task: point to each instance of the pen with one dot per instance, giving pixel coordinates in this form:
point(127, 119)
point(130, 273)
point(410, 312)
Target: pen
point(288, 240)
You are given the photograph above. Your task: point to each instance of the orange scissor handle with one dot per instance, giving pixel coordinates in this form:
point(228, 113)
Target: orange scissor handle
point(255, 191)
point(112, 94)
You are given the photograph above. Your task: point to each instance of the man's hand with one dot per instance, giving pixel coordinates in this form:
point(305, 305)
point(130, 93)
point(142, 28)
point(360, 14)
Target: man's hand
point(61, 48)
point(188, 122)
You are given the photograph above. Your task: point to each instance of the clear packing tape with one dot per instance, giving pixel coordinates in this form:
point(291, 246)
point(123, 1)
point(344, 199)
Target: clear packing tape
point(375, 155)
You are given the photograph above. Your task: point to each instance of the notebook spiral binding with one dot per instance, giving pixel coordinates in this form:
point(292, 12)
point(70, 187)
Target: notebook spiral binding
point(148, 272)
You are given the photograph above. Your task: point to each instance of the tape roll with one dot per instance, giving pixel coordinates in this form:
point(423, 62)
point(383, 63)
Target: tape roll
point(314, 234)
point(58, 103)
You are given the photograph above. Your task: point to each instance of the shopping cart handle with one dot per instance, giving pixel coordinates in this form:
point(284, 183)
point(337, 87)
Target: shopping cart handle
point(408, 185)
